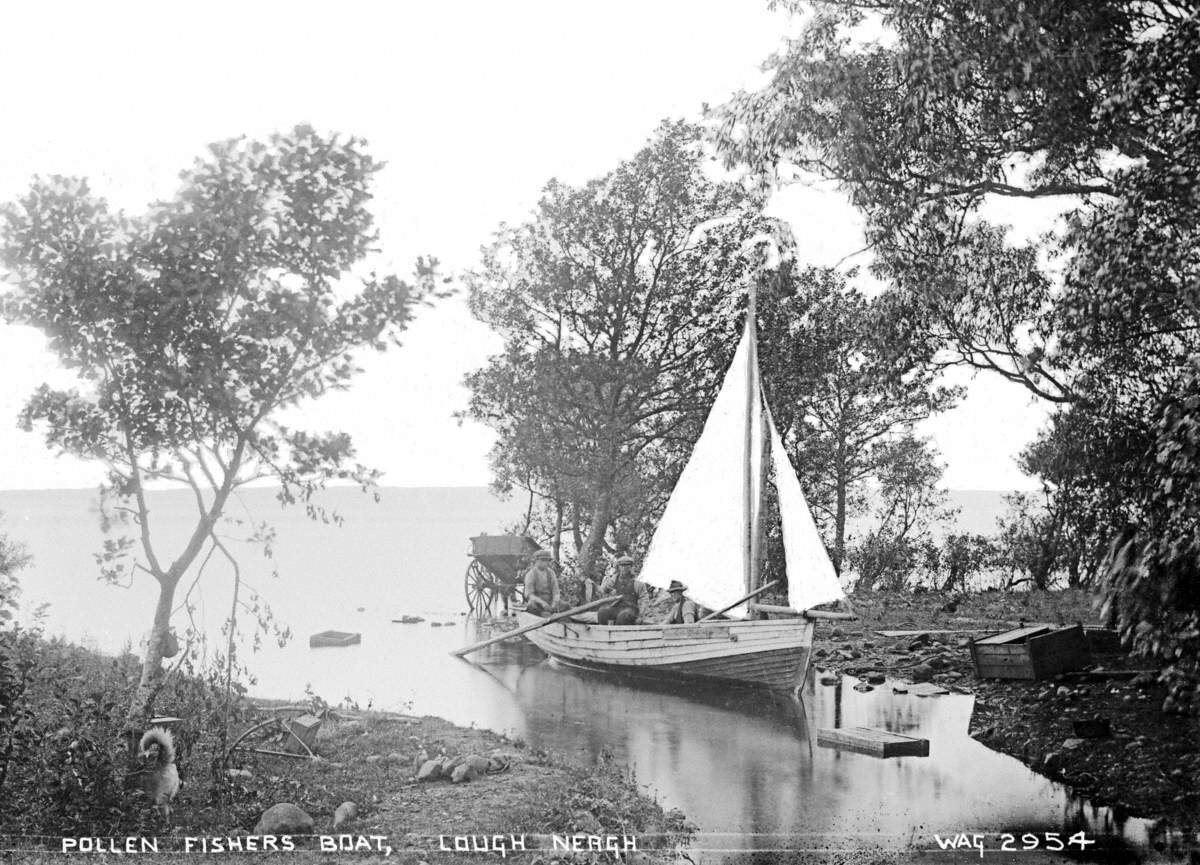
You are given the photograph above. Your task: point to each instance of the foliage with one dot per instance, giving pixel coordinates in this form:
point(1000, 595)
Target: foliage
point(13, 557)
point(1088, 106)
point(962, 557)
point(1156, 597)
point(191, 327)
point(841, 400)
point(64, 767)
point(617, 305)
point(910, 505)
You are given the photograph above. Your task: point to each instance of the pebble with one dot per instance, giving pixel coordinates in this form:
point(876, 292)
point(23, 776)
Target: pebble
point(829, 679)
point(1072, 744)
point(863, 687)
point(921, 673)
point(1063, 691)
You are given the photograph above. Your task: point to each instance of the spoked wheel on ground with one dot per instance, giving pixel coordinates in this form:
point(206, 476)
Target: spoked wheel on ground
point(481, 589)
point(285, 731)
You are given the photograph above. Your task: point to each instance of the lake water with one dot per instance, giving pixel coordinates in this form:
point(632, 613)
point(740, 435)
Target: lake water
point(743, 766)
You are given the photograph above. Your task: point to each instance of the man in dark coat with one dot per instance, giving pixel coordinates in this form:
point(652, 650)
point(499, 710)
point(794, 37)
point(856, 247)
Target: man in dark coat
point(630, 594)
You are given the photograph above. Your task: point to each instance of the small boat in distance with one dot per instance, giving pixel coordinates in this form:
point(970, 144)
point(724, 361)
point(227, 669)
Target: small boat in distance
point(703, 541)
point(325, 639)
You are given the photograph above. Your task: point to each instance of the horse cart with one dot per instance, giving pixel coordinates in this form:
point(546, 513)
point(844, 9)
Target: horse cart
point(497, 569)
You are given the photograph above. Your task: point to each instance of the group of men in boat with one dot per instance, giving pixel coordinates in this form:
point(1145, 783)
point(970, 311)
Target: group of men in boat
point(630, 596)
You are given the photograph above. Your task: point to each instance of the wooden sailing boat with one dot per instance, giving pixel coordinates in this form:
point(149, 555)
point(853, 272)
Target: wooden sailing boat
point(709, 543)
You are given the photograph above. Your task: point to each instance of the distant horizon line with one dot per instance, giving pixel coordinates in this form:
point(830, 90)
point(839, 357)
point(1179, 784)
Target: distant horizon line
point(4, 490)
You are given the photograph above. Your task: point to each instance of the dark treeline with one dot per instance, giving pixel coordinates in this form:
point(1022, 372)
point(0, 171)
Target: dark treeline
point(619, 300)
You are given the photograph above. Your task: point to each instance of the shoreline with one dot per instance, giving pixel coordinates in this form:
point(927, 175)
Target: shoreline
point(1148, 767)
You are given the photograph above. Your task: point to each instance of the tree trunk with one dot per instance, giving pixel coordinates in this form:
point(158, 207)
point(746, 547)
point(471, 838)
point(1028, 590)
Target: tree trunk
point(593, 543)
point(142, 706)
point(839, 513)
point(556, 544)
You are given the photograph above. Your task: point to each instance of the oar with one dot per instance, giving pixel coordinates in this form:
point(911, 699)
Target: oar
point(740, 600)
point(541, 623)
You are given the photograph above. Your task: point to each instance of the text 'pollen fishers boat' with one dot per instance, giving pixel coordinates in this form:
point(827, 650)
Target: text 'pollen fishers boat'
point(705, 543)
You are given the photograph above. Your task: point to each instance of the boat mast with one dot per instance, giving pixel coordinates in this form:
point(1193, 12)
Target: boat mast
point(752, 509)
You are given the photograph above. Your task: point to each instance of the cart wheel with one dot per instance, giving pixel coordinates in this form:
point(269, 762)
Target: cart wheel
point(480, 591)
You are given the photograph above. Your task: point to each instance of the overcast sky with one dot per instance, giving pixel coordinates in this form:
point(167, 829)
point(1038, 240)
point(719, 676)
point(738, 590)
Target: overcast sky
point(473, 105)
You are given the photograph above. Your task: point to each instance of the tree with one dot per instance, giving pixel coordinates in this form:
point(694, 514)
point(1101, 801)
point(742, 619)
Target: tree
point(192, 327)
point(909, 505)
point(617, 303)
point(1091, 105)
point(840, 396)
point(960, 557)
point(13, 557)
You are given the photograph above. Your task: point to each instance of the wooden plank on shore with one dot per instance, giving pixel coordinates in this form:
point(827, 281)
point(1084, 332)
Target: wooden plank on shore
point(1017, 635)
point(926, 689)
point(936, 631)
point(877, 743)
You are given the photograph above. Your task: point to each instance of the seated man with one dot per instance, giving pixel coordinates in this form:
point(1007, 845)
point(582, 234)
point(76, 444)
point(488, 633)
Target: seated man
point(630, 594)
point(683, 610)
point(541, 586)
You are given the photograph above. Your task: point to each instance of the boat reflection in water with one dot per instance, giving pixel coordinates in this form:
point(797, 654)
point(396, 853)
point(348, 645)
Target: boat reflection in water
point(743, 765)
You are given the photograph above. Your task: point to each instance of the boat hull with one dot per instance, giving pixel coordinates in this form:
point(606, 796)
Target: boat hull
point(772, 653)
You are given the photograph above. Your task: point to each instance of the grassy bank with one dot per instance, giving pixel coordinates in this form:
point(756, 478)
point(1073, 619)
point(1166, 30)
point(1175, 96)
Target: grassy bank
point(65, 778)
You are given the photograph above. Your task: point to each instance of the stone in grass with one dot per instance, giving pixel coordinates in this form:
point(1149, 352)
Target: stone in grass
point(585, 822)
point(463, 772)
point(477, 763)
point(1072, 744)
point(284, 819)
point(921, 673)
point(344, 814)
point(430, 770)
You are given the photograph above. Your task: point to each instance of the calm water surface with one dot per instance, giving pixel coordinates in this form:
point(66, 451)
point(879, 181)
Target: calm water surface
point(746, 769)
point(742, 765)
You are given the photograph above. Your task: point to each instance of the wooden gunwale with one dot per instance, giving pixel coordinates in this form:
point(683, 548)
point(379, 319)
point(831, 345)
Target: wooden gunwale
point(758, 652)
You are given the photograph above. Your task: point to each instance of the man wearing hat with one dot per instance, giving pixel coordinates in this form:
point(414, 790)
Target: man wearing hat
point(541, 586)
point(630, 595)
point(683, 611)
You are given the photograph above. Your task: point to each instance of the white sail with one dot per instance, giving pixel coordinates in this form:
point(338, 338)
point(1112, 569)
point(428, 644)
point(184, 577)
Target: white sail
point(701, 538)
point(812, 579)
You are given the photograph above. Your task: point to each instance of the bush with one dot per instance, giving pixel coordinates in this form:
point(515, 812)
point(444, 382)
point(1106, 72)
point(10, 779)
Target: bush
point(64, 752)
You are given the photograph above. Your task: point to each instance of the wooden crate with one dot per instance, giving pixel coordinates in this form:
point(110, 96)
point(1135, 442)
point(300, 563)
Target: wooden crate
point(1035, 652)
point(502, 545)
point(877, 743)
point(305, 727)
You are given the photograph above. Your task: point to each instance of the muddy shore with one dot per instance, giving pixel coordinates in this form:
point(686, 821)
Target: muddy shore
point(1146, 763)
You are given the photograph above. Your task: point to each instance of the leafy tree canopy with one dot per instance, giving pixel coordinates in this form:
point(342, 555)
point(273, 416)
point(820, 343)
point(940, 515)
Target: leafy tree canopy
point(922, 110)
point(192, 326)
point(841, 398)
point(617, 303)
